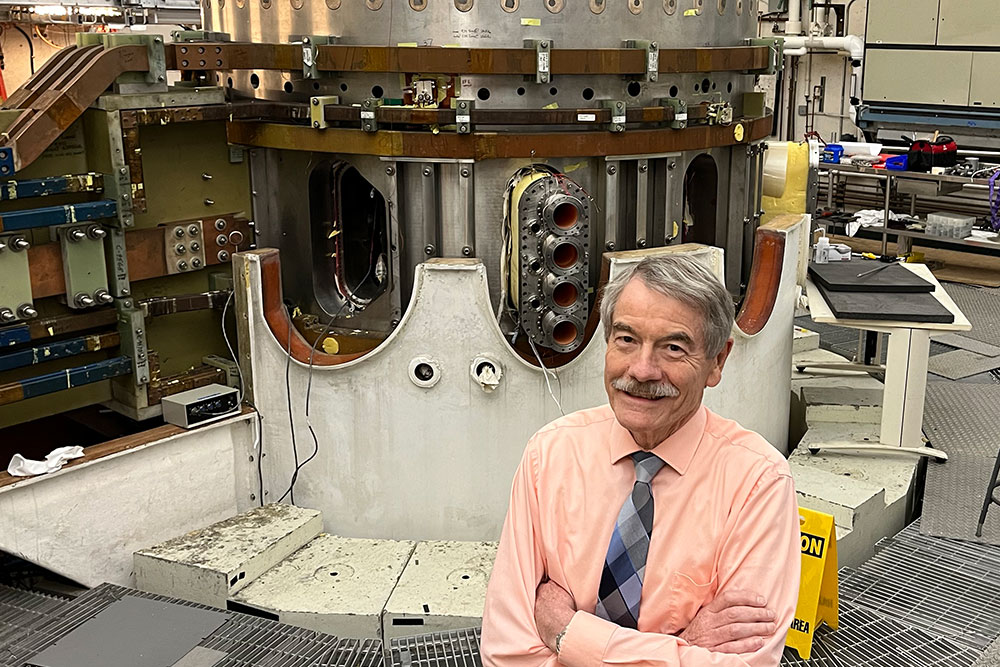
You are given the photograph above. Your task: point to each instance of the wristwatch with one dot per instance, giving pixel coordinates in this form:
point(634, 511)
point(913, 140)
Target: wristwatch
point(559, 639)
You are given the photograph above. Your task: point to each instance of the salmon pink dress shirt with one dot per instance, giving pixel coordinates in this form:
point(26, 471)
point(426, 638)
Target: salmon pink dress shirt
point(725, 518)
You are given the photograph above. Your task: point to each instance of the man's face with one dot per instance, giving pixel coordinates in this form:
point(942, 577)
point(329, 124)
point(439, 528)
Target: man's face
point(656, 369)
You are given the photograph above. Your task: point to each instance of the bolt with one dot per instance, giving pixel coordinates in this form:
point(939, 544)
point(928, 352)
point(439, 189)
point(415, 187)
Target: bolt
point(428, 249)
point(97, 233)
point(180, 249)
point(652, 45)
point(158, 40)
point(619, 128)
point(612, 169)
point(618, 105)
point(195, 246)
point(128, 303)
point(427, 171)
point(467, 251)
point(20, 243)
point(123, 171)
point(206, 176)
point(643, 168)
point(125, 197)
point(221, 239)
point(194, 230)
point(142, 356)
point(7, 315)
point(196, 262)
point(368, 127)
point(161, 78)
point(83, 300)
point(610, 245)
point(220, 224)
point(315, 101)
point(209, 202)
point(463, 127)
point(253, 496)
point(389, 171)
point(545, 45)
point(642, 243)
point(77, 235)
point(182, 265)
point(465, 173)
point(102, 296)
point(316, 124)
point(223, 256)
point(26, 312)
point(671, 165)
point(125, 291)
point(138, 332)
point(179, 232)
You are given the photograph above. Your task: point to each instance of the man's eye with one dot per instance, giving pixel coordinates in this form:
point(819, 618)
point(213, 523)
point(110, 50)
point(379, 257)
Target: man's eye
point(675, 349)
point(626, 339)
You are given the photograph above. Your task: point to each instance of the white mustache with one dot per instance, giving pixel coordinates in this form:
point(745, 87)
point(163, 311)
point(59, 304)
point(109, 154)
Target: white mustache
point(651, 390)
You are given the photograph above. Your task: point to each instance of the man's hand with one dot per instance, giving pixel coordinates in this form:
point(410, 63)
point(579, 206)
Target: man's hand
point(734, 622)
point(554, 609)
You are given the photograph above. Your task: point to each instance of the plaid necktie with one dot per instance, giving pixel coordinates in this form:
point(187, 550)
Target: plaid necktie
point(625, 564)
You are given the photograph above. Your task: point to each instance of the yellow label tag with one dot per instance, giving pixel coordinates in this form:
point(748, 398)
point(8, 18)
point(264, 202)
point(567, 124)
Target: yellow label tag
point(818, 601)
point(535, 22)
point(554, 105)
point(691, 12)
point(739, 132)
point(406, 44)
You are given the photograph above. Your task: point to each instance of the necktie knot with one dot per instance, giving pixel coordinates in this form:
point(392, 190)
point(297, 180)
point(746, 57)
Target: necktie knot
point(646, 466)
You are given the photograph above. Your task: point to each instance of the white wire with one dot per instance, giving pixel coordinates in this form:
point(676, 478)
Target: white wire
point(545, 372)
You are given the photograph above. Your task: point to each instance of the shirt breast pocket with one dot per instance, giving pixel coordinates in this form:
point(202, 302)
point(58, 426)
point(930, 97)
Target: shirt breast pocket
point(687, 595)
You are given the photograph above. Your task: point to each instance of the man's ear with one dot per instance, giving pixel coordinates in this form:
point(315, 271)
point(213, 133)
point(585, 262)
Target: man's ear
point(715, 375)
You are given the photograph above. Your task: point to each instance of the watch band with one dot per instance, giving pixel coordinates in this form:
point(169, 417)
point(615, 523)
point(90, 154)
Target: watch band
point(559, 639)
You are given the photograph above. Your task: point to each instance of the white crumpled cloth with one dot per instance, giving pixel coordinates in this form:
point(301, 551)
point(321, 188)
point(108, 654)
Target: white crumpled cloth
point(56, 459)
point(870, 218)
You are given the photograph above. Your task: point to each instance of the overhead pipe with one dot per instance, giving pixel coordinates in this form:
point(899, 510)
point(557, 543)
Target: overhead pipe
point(850, 45)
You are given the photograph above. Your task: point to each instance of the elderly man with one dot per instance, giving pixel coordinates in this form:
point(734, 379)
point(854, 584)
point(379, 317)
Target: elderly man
point(700, 564)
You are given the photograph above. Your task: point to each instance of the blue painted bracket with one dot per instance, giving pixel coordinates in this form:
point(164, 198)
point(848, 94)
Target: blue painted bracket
point(47, 216)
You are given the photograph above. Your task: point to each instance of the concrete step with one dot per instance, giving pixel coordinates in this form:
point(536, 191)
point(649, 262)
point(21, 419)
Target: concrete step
point(849, 500)
point(211, 564)
point(442, 588)
point(336, 585)
point(846, 405)
point(804, 340)
point(852, 475)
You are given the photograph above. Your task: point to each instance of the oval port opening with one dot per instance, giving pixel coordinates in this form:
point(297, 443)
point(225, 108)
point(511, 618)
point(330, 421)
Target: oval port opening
point(565, 295)
point(565, 215)
point(564, 333)
point(565, 255)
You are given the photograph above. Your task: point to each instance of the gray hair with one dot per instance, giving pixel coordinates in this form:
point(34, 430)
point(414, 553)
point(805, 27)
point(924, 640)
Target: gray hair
point(686, 280)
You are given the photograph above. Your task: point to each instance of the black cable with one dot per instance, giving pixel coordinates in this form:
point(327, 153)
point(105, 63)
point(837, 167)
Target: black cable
point(290, 493)
point(31, 47)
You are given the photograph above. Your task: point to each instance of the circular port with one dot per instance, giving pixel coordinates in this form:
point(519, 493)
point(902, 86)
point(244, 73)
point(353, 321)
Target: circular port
point(565, 215)
point(565, 255)
point(565, 294)
point(564, 333)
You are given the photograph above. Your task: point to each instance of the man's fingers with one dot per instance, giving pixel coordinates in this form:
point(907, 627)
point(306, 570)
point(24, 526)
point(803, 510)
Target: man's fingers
point(746, 615)
point(737, 631)
point(741, 646)
point(738, 598)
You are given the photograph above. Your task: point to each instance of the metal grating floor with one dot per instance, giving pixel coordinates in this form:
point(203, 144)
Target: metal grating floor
point(959, 419)
point(20, 609)
point(458, 648)
point(982, 306)
point(937, 593)
point(249, 641)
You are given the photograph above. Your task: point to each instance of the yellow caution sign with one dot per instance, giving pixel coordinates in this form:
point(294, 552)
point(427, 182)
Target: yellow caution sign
point(818, 587)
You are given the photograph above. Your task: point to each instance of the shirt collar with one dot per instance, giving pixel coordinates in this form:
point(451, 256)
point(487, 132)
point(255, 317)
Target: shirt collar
point(677, 450)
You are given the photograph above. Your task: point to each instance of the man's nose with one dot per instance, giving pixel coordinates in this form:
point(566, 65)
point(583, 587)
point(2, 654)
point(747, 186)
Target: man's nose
point(643, 366)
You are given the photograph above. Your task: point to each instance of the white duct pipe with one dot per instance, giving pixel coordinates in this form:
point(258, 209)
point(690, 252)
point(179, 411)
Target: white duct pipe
point(794, 25)
point(851, 45)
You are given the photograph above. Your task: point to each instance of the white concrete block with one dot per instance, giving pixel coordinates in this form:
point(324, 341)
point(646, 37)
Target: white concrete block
point(210, 564)
point(804, 340)
point(336, 585)
point(848, 405)
point(846, 498)
point(442, 588)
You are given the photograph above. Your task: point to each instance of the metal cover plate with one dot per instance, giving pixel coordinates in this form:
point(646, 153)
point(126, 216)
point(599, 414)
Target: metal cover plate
point(957, 421)
point(133, 632)
point(959, 364)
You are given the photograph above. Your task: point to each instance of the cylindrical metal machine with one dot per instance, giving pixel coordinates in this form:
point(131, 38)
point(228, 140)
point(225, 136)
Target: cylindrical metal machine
point(575, 128)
